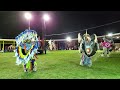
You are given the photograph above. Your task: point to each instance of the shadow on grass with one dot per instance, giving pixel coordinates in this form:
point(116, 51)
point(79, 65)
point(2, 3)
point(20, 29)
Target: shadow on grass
point(78, 65)
point(27, 75)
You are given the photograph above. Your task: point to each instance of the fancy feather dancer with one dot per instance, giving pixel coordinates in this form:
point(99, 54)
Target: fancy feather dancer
point(88, 45)
point(108, 45)
point(51, 45)
point(26, 48)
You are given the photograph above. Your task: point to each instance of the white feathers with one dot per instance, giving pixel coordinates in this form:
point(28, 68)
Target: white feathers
point(95, 38)
point(52, 45)
point(79, 38)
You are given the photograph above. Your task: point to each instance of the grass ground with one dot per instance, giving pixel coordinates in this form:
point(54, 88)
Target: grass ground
point(62, 65)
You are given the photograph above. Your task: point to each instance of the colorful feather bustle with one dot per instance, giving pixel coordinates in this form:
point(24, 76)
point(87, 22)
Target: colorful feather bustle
point(26, 46)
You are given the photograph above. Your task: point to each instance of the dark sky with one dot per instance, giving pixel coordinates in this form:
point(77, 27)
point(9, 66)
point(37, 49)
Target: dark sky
point(13, 22)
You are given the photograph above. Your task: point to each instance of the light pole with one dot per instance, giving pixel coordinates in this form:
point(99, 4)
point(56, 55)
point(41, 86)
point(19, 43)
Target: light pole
point(46, 18)
point(28, 16)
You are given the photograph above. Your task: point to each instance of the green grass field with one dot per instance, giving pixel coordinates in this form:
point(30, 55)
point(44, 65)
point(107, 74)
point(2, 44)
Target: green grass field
point(62, 65)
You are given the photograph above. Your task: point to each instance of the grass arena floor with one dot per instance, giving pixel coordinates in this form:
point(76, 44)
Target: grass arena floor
point(62, 64)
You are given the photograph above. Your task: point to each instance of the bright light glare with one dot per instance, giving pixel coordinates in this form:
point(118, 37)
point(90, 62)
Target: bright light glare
point(28, 16)
point(68, 39)
point(110, 34)
point(117, 37)
point(46, 17)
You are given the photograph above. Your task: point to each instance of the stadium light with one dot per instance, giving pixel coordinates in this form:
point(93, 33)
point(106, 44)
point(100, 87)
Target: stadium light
point(46, 17)
point(117, 37)
point(68, 39)
point(110, 34)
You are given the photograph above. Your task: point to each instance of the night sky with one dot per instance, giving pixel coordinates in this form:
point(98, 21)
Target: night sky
point(13, 22)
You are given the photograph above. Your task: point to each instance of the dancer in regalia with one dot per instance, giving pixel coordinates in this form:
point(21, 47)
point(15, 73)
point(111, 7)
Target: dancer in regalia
point(108, 46)
point(26, 48)
point(88, 46)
